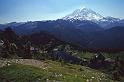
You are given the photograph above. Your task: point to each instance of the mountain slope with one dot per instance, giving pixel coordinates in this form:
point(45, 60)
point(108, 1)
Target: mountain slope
point(87, 26)
point(84, 14)
point(90, 15)
point(108, 39)
point(77, 33)
point(51, 71)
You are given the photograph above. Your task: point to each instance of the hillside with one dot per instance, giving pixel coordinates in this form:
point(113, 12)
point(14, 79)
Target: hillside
point(51, 71)
point(41, 57)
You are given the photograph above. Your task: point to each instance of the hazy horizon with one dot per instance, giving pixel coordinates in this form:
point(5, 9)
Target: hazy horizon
point(32, 10)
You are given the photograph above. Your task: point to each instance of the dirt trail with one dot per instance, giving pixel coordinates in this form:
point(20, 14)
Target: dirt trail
point(32, 62)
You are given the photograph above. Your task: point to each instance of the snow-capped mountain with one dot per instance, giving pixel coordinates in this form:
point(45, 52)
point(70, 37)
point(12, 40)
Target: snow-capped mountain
point(90, 15)
point(84, 14)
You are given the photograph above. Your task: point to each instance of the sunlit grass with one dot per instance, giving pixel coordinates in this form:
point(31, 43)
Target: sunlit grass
point(54, 71)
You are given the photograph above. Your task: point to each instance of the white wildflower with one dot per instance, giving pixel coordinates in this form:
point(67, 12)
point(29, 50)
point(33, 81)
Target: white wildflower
point(87, 80)
point(92, 77)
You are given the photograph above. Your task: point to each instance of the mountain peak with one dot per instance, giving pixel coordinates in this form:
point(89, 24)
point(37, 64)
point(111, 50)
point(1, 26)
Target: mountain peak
point(82, 7)
point(84, 14)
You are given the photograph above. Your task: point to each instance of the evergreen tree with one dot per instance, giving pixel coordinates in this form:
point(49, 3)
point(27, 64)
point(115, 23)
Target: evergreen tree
point(9, 35)
point(27, 50)
point(9, 47)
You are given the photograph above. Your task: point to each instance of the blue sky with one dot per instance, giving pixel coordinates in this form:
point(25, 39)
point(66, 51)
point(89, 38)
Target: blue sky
point(35, 10)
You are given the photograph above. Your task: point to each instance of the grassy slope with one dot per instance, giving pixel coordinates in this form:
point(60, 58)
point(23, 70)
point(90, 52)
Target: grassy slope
point(54, 71)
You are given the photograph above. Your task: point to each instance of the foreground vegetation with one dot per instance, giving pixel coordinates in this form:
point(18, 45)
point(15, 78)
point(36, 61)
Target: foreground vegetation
point(53, 72)
point(59, 61)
